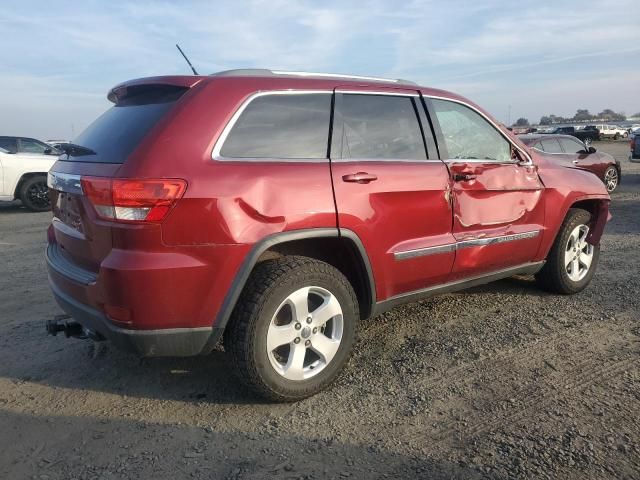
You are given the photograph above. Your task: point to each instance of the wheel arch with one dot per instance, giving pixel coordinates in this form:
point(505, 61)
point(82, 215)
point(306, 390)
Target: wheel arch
point(599, 210)
point(597, 206)
point(24, 178)
point(341, 248)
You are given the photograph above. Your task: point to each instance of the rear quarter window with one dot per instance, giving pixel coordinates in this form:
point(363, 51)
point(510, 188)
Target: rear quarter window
point(280, 126)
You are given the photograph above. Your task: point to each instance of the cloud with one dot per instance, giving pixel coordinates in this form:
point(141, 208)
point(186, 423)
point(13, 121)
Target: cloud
point(66, 56)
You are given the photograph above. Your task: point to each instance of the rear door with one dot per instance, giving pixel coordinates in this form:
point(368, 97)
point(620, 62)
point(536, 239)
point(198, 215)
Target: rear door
point(498, 212)
point(390, 187)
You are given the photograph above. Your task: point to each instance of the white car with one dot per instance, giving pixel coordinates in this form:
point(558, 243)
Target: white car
point(24, 163)
point(612, 131)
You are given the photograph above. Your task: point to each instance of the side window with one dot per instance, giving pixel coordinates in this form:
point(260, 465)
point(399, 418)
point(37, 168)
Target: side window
point(286, 126)
point(571, 146)
point(380, 127)
point(551, 145)
point(28, 145)
point(468, 135)
point(9, 144)
point(539, 146)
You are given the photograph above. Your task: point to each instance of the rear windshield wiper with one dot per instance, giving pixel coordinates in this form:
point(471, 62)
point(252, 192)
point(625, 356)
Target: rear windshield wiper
point(75, 150)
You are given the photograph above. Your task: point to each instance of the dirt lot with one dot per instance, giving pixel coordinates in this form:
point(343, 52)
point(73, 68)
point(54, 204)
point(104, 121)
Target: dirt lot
point(502, 381)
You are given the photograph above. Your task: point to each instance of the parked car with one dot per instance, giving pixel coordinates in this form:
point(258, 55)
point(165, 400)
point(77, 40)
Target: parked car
point(24, 163)
point(522, 130)
point(610, 131)
point(277, 210)
point(586, 135)
point(634, 154)
point(574, 152)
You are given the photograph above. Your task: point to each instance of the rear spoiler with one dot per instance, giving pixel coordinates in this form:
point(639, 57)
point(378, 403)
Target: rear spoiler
point(178, 82)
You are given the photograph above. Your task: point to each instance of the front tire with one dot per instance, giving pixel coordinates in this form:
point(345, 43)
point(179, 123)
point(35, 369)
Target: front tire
point(34, 194)
point(293, 328)
point(572, 261)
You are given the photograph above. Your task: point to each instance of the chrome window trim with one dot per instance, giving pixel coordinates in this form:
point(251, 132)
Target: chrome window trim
point(462, 244)
point(385, 160)
point(553, 153)
point(480, 160)
point(377, 92)
point(528, 160)
point(215, 154)
point(64, 182)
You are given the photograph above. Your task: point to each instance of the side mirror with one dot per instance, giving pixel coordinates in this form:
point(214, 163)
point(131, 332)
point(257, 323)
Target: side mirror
point(48, 151)
point(591, 150)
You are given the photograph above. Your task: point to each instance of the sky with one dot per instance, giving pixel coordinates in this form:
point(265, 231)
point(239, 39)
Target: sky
point(514, 58)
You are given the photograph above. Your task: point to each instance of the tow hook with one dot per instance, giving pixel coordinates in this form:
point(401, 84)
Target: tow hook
point(59, 323)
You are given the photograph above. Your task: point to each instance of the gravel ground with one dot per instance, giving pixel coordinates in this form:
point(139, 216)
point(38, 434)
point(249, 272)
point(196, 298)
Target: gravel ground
point(501, 381)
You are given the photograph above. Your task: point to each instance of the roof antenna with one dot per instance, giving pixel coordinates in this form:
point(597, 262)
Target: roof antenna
point(185, 57)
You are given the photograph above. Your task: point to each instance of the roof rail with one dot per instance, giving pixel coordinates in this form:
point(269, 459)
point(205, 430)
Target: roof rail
point(250, 72)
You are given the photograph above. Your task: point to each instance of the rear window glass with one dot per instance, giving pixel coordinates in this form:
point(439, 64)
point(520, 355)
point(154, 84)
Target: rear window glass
point(287, 126)
point(117, 132)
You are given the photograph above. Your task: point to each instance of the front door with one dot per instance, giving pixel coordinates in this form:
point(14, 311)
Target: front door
point(498, 212)
point(390, 187)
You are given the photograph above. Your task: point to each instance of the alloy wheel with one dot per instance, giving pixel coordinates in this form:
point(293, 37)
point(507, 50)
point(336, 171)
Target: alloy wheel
point(578, 254)
point(38, 195)
point(305, 333)
point(611, 179)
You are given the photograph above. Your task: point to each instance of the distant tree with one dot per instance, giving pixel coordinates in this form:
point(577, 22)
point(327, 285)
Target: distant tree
point(545, 120)
point(582, 116)
point(611, 116)
point(522, 122)
point(636, 115)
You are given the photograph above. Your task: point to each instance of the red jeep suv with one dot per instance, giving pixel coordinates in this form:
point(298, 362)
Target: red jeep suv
point(277, 209)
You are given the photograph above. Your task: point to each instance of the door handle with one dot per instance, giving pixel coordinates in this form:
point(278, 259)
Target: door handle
point(464, 177)
point(360, 177)
point(575, 162)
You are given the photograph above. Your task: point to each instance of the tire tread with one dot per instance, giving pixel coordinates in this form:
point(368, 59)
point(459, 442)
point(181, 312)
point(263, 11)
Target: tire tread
point(239, 337)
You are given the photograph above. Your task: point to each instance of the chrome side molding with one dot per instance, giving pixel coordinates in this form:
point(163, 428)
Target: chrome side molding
point(476, 242)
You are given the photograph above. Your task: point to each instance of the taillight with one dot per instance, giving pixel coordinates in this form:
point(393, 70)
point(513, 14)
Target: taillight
point(633, 142)
point(133, 199)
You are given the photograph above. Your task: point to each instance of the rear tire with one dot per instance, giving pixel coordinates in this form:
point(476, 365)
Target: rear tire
point(34, 194)
point(283, 349)
point(572, 262)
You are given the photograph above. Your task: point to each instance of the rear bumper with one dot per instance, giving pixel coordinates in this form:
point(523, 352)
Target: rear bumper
point(174, 342)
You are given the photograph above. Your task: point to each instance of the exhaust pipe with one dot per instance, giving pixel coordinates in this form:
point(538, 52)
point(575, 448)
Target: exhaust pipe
point(70, 329)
